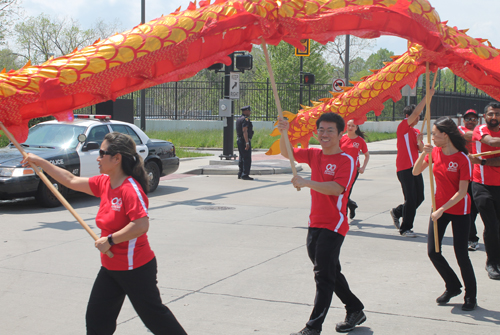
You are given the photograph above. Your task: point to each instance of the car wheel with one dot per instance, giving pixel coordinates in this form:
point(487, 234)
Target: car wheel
point(153, 173)
point(46, 198)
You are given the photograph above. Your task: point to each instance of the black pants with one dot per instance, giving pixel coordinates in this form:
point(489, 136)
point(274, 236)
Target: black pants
point(323, 247)
point(460, 225)
point(487, 199)
point(245, 160)
point(413, 191)
point(351, 203)
point(108, 294)
point(473, 215)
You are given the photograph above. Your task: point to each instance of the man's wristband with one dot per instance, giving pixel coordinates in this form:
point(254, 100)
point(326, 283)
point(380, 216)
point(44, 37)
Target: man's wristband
point(110, 239)
point(483, 162)
point(248, 142)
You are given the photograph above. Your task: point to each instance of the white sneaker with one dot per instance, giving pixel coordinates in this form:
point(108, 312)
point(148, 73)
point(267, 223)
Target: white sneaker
point(473, 246)
point(408, 233)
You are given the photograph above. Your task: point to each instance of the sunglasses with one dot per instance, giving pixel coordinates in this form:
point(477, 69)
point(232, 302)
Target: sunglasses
point(102, 153)
point(470, 119)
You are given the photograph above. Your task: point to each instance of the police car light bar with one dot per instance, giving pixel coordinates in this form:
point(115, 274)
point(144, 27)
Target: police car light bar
point(92, 116)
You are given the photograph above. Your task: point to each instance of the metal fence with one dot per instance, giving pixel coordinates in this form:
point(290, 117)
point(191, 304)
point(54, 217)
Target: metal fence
point(199, 100)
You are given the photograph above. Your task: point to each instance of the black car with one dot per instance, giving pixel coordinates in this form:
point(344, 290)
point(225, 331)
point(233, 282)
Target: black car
point(74, 146)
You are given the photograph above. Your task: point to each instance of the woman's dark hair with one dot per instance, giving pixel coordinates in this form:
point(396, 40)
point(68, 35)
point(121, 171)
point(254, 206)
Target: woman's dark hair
point(448, 126)
point(132, 163)
point(332, 117)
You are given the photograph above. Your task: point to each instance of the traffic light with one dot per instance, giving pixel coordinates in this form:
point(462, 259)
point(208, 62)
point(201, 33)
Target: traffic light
point(308, 78)
point(307, 51)
point(243, 62)
point(216, 67)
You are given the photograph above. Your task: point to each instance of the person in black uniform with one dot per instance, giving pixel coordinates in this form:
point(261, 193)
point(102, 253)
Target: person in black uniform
point(244, 132)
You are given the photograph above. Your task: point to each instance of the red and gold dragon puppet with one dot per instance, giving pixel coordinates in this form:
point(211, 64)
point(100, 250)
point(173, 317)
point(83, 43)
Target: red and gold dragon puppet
point(177, 46)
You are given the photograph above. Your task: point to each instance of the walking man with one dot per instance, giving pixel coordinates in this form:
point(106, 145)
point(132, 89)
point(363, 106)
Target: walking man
point(409, 145)
point(486, 185)
point(332, 175)
point(244, 132)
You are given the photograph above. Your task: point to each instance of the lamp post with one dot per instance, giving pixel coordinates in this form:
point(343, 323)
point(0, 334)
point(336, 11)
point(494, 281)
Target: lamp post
point(143, 92)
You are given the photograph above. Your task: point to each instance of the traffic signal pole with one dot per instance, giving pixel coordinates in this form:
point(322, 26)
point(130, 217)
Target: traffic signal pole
point(228, 133)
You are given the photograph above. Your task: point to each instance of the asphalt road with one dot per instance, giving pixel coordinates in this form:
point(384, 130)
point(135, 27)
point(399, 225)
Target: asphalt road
point(232, 261)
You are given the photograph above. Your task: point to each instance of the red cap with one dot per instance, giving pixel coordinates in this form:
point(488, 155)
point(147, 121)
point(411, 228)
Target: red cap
point(470, 111)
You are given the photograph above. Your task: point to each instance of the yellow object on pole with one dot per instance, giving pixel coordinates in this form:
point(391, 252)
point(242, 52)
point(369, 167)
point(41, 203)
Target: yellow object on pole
point(280, 111)
point(52, 188)
point(431, 174)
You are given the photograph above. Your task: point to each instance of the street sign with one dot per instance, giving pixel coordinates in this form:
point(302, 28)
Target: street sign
point(408, 91)
point(337, 83)
point(234, 85)
point(304, 53)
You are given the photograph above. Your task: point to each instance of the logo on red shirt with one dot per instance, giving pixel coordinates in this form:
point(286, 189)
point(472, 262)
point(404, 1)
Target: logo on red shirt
point(330, 169)
point(116, 204)
point(453, 167)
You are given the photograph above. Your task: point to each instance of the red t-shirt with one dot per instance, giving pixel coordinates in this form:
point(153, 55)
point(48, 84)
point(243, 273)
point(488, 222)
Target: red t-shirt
point(328, 211)
point(463, 130)
point(352, 147)
point(407, 146)
point(448, 171)
point(118, 208)
point(487, 175)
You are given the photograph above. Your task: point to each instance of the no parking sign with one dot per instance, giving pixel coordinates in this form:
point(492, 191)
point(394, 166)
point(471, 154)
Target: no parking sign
point(337, 84)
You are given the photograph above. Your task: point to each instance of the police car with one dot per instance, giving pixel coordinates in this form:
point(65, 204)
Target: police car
point(74, 146)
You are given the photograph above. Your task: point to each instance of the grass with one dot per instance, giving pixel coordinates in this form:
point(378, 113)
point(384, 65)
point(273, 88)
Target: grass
point(214, 139)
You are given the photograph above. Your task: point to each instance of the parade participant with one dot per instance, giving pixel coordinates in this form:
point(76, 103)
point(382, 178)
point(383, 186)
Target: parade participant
point(332, 174)
point(352, 143)
point(470, 122)
point(244, 133)
point(123, 220)
point(409, 143)
point(452, 172)
point(486, 185)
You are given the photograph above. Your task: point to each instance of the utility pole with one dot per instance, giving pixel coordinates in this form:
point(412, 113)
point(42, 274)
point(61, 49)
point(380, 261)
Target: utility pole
point(143, 92)
point(346, 58)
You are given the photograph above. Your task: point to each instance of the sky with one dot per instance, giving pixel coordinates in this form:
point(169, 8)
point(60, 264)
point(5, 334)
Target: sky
point(479, 16)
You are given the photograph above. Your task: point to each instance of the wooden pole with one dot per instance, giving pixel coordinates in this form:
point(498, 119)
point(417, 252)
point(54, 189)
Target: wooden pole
point(425, 118)
point(284, 137)
point(52, 188)
point(487, 153)
point(431, 175)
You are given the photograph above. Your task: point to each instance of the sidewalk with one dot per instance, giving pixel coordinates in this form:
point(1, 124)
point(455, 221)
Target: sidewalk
point(262, 164)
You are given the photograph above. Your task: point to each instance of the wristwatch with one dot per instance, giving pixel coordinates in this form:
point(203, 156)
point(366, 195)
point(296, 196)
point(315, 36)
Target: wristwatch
point(110, 239)
point(483, 161)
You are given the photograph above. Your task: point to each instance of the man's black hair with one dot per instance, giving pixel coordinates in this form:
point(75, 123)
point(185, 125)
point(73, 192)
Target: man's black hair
point(409, 109)
point(332, 117)
point(493, 104)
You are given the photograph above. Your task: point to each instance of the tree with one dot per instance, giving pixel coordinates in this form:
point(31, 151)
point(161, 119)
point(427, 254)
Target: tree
point(9, 9)
point(286, 65)
point(39, 38)
point(359, 49)
point(9, 60)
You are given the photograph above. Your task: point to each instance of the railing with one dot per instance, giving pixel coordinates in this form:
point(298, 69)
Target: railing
point(199, 100)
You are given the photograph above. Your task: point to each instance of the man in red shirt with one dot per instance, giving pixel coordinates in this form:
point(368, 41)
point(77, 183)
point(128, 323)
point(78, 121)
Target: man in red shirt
point(470, 122)
point(486, 185)
point(409, 145)
point(332, 175)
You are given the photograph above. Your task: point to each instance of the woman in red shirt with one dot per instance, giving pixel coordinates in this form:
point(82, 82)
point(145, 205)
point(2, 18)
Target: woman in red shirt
point(123, 220)
point(352, 143)
point(452, 172)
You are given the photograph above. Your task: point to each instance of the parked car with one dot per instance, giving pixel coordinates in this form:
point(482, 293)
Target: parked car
point(74, 146)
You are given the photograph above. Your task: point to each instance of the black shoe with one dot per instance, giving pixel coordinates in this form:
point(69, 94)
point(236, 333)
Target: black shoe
point(447, 295)
point(352, 211)
point(246, 178)
point(469, 304)
point(307, 331)
point(493, 271)
point(351, 320)
point(395, 219)
point(239, 176)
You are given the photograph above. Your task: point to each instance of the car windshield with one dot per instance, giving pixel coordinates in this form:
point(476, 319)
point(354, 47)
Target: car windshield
point(63, 136)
